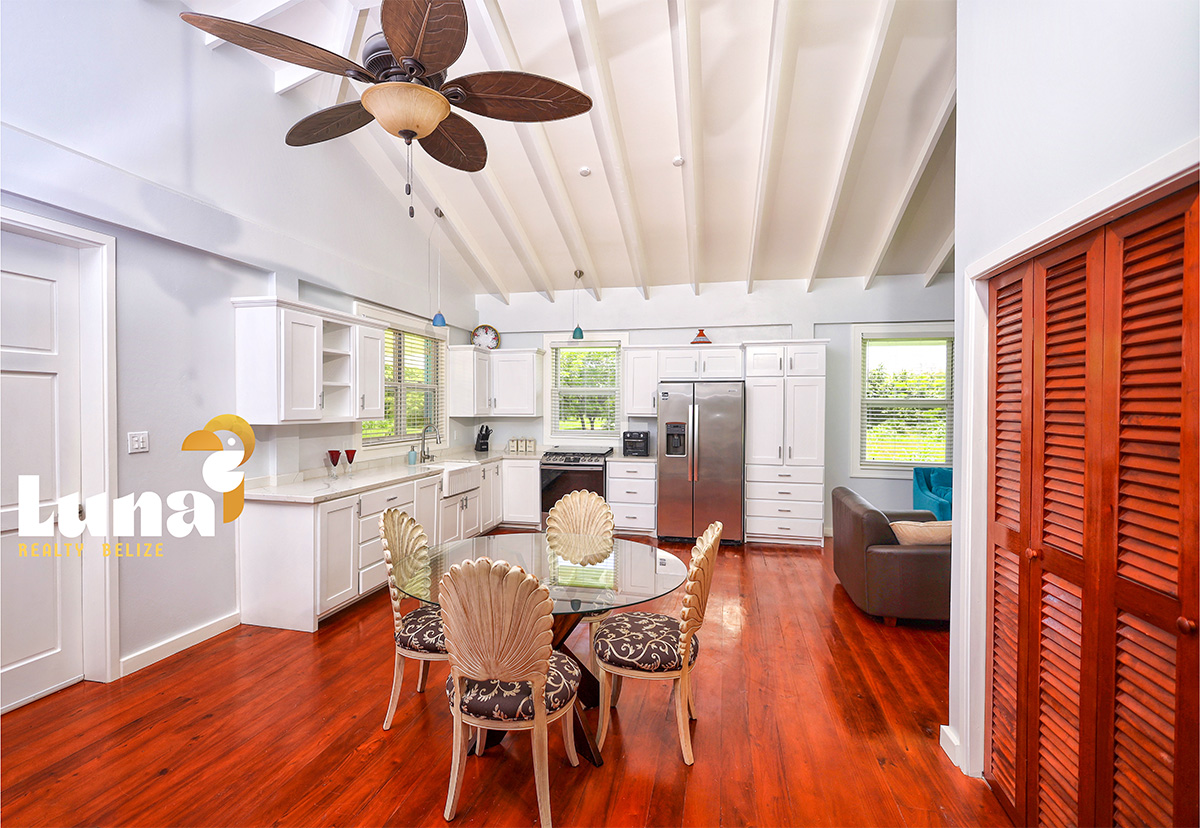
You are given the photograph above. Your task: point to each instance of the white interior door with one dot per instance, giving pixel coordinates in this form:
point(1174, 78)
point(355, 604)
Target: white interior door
point(41, 599)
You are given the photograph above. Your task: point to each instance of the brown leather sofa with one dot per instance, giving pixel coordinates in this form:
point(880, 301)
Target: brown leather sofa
point(881, 576)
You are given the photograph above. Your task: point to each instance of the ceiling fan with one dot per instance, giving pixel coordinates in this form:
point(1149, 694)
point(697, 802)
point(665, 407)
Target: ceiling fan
point(410, 97)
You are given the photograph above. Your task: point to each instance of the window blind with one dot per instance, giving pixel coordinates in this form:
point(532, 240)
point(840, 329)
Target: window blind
point(906, 411)
point(413, 389)
point(584, 392)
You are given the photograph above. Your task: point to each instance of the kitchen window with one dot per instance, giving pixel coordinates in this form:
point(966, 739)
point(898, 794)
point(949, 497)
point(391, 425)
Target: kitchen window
point(904, 412)
point(413, 389)
point(585, 381)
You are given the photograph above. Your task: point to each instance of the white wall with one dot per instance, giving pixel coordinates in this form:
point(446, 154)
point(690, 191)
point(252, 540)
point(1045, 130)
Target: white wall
point(1058, 100)
point(775, 310)
point(117, 118)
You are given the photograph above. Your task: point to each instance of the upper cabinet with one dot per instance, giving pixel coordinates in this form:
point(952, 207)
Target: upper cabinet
point(797, 358)
point(699, 362)
point(500, 383)
point(640, 381)
point(300, 363)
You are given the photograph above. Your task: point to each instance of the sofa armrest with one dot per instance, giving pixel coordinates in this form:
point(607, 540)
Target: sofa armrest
point(922, 515)
point(908, 581)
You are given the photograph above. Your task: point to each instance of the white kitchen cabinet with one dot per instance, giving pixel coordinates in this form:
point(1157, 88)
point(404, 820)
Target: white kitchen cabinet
point(450, 519)
point(368, 372)
point(372, 570)
point(764, 420)
point(678, 364)
point(460, 516)
point(337, 552)
point(720, 363)
point(764, 360)
point(489, 497)
point(806, 359)
point(522, 491)
point(497, 507)
point(298, 363)
point(639, 380)
point(805, 421)
point(469, 381)
point(631, 490)
point(516, 383)
point(427, 496)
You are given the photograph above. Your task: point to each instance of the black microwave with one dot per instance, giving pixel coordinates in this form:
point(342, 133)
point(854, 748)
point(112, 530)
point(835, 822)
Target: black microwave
point(635, 444)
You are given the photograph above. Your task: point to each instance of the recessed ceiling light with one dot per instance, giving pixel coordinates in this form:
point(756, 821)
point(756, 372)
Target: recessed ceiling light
point(585, 171)
point(677, 160)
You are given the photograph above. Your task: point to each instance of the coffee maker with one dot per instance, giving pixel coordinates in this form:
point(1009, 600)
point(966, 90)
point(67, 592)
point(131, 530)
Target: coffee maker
point(481, 439)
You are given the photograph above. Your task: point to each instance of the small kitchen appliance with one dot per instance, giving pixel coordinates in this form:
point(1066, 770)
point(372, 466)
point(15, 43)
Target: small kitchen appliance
point(635, 443)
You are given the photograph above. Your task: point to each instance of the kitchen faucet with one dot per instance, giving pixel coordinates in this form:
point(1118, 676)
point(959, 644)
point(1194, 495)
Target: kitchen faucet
point(426, 456)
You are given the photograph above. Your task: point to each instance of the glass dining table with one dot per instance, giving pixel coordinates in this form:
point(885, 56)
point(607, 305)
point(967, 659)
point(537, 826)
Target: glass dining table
point(585, 575)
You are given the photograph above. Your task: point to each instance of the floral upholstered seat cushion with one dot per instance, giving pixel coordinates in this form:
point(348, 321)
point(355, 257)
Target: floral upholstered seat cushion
point(642, 641)
point(513, 700)
point(421, 630)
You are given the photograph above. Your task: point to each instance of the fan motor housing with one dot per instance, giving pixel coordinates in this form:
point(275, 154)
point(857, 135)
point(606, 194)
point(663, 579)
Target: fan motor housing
point(380, 62)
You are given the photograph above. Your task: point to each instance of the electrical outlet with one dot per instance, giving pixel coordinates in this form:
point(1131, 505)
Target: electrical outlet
point(139, 441)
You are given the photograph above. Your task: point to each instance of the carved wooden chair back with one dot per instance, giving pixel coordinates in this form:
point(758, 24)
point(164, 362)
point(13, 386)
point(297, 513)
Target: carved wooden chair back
point(696, 588)
point(497, 622)
point(406, 553)
point(580, 513)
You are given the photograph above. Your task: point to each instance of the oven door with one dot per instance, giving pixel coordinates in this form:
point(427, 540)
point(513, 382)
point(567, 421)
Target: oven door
point(558, 481)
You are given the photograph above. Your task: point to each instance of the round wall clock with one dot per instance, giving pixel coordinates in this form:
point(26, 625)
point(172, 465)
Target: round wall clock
point(486, 336)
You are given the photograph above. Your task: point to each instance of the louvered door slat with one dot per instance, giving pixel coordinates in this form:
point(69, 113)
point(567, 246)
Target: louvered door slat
point(1060, 644)
point(1005, 590)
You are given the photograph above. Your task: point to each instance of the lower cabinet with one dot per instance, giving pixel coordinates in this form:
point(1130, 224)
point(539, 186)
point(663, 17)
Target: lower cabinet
point(460, 516)
point(491, 504)
point(337, 552)
point(785, 504)
point(631, 490)
point(522, 491)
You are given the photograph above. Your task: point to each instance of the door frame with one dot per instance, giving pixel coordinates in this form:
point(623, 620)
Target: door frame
point(98, 422)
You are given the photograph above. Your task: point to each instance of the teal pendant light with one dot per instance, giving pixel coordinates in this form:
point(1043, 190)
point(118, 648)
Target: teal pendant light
point(439, 321)
point(578, 332)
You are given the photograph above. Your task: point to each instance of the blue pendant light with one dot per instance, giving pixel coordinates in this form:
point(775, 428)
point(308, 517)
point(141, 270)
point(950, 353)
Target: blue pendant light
point(578, 332)
point(439, 321)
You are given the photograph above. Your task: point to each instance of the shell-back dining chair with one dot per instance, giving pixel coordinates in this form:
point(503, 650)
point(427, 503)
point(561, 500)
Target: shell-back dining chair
point(583, 513)
point(651, 645)
point(504, 672)
point(418, 633)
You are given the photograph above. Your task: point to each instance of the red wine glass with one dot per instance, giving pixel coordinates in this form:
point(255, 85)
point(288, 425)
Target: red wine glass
point(350, 461)
point(335, 457)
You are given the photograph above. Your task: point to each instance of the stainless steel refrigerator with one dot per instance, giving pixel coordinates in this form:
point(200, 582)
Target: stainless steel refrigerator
point(701, 457)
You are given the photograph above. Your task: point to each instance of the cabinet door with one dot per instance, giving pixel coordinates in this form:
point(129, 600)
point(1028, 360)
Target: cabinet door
point(337, 552)
point(487, 488)
point(450, 519)
point(483, 384)
point(471, 514)
point(764, 421)
point(807, 359)
point(522, 492)
point(425, 509)
point(368, 373)
point(497, 494)
point(678, 364)
point(514, 385)
point(764, 360)
point(721, 363)
point(641, 383)
point(301, 380)
point(804, 419)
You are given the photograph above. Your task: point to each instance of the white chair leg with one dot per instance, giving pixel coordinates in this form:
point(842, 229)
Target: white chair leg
point(422, 675)
point(605, 693)
point(541, 771)
point(458, 766)
point(568, 721)
point(480, 740)
point(397, 678)
point(691, 696)
point(681, 718)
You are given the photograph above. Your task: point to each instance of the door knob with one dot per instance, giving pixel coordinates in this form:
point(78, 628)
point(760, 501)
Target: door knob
point(1033, 554)
point(1186, 625)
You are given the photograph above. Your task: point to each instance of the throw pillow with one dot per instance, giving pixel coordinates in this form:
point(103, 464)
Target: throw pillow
point(924, 533)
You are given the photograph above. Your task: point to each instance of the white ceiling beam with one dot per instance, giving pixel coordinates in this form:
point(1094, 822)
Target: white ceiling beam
point(505, 215)
point(939, 259)
point(882, 26)
point(495, 41)
point(351, 21)
point(583, 30)
point(910, 186)
point(781, 75)
point(385, 156)
point(254, 12)
point(685, 51)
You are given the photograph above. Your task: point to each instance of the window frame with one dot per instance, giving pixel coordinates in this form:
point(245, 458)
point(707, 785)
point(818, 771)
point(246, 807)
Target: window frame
point(859, 335)
point(550, 342)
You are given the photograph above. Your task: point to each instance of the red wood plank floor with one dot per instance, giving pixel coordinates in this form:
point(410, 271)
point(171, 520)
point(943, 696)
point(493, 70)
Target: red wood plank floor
point(810, 713)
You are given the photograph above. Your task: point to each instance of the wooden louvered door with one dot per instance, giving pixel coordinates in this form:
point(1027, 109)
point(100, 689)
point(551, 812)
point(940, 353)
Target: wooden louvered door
point(1147, 759)
point(1095, 489)
point(1067, 289)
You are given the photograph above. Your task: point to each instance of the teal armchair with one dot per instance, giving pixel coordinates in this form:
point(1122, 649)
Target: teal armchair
point(932, 490)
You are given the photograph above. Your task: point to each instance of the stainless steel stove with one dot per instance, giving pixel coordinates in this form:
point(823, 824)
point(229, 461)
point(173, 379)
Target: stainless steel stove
point(565, 471)
point(575, 459)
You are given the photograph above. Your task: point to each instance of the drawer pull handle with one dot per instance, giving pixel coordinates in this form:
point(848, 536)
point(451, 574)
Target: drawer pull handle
point(784, 528)
point(630, 517)
point(785, 475)
point(783, 493)
point(629, 492)
point(786, 510)
point(390, 499)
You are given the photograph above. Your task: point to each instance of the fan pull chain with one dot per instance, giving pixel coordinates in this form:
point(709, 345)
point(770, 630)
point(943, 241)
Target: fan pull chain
point(408, 191)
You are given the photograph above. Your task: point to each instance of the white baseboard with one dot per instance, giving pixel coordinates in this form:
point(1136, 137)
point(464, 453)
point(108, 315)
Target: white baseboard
point(950, 744)
point(42, 693)
point(157, 652)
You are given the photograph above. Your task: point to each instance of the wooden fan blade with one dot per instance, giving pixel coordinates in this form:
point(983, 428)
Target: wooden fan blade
point(278, 46)
point(456, 143)
point(425, 36)
point(516, 96)
point(332, 122)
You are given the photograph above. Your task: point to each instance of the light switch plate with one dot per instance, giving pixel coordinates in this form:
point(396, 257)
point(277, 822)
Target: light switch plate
point(139, 441)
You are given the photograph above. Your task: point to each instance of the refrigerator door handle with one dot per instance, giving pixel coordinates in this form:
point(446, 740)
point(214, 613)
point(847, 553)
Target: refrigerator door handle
point(692, 442)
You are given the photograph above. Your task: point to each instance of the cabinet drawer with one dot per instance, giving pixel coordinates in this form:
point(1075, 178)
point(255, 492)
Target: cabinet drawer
point(629, 491)
point(634, 515)
point(368, 524)
point(806, 509)
point(785, 527)
point(785, 491)
point(645, 471)
point(370, 552)
point(376, 501)
point(786, 474)
point(372, 577)
point(806, 360)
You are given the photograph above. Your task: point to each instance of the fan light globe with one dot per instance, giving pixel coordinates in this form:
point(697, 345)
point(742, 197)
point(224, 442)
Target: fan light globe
point(402, 108)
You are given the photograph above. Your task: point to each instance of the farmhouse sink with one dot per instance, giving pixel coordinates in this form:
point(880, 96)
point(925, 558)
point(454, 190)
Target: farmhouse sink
point(459, 476)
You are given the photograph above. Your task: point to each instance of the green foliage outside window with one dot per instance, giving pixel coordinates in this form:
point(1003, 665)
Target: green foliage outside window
point(585, 387)
point(906, 405)
point(410, 374)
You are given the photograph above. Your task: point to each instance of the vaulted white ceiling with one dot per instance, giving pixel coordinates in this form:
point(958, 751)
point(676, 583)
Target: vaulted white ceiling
point(816, 138)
